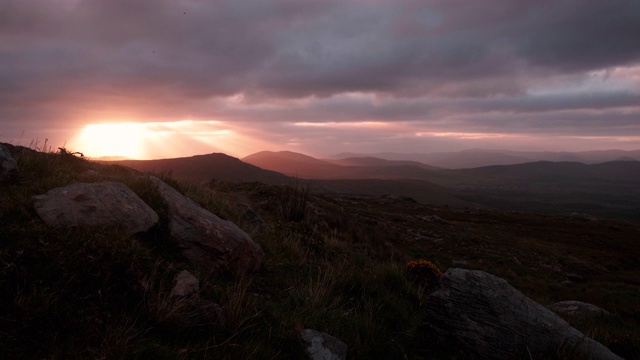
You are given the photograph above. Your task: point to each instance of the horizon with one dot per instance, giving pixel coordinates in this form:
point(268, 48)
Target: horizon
point(345, 155)
point(161, 79)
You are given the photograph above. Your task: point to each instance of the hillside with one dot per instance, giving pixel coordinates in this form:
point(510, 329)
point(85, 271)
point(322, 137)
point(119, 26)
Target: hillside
point(308, 167)
point(204, 168)
point(339, 268)
point(480, 157)
point(295, 164)
point(610, 190)
point(418, 190)
point(377, 162)
point(371, 180)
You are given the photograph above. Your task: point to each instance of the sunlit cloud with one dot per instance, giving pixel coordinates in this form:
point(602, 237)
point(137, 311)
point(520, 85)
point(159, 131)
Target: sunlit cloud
point(349, 124)
point(465, 135)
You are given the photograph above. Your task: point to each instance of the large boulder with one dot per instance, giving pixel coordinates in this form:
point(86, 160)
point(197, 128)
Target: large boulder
point(322, 346)
point(95, 204)
point(483, 315)
point(8, 164)
point(211, 242)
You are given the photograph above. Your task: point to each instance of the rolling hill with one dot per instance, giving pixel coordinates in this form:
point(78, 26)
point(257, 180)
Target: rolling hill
point(609, 190)
point(204, 168)
point(307, 167)
point(481, 157)
point(375, 180)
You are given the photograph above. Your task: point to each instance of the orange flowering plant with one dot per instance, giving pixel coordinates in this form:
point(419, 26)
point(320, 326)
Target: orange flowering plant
point(424, 271)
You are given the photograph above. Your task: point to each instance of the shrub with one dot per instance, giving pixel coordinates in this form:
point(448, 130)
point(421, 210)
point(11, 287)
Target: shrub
point(293, 206)
point(424, 271)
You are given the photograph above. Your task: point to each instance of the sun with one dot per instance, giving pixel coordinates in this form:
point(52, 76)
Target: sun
point(112, 139)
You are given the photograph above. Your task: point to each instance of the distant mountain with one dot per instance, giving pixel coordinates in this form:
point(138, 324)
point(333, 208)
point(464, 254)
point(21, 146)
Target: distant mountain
point(609, 189)
point(204, 168)
point(374, 161)
point(358, 180)
point(479, 157)
point(574, 173)
point(294, 164)
point(307, 167)
point(111, 158)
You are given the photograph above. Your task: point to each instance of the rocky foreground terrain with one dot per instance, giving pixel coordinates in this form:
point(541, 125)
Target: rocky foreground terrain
point(144, 266)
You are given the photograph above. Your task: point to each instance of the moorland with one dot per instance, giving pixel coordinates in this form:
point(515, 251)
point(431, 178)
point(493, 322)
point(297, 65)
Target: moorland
point(337, 236)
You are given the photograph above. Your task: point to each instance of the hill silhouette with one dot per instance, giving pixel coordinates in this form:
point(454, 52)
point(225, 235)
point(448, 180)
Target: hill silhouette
point(307, 167)
point(609, 190)
point(482, 157)
point(204, 168)
point(376, 181)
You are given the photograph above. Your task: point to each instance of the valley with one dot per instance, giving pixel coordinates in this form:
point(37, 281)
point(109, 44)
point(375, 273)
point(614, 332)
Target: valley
point(602, 190)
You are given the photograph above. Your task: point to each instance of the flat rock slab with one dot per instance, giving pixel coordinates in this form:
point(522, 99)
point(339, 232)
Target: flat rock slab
point(206, 239)
point(483, 315)
point(95, 204)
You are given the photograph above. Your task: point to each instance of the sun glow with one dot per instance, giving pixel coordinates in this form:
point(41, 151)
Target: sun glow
point(155, 140)
point(113, 139)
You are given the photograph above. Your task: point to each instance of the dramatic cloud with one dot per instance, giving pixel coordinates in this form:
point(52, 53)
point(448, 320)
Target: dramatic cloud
point(433, 73)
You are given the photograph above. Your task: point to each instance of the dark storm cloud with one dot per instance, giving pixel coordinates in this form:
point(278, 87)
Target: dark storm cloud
point(301, 48)
point(66, 61)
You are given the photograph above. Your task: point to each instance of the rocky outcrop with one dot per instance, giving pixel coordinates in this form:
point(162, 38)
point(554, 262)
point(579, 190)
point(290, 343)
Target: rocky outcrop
point(206, 239)
point(8, 164)
point(322, 346)
point(484, 315)
point(185, 284)
point(95, 204)
point(577, 309)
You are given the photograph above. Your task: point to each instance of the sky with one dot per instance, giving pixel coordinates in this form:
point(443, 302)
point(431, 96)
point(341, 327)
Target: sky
point(164, 78)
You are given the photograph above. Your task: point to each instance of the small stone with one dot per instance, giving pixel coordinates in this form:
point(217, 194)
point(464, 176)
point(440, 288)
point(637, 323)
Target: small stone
point(323, 346)
point(577, 309)
point(185, 284)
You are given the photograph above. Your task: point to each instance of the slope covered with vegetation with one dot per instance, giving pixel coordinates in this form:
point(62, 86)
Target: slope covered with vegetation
point(332, 263)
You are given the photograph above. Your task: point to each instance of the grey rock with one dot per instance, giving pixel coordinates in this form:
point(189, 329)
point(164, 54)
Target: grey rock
point(483, 315)
point(577, 309)
point(8, 164)
point(322, 346)
point(95, 204)
point(206, 239)
point(185, 284)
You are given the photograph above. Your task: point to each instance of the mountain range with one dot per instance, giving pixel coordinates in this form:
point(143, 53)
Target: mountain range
point(481, 157)
point(610, 189)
